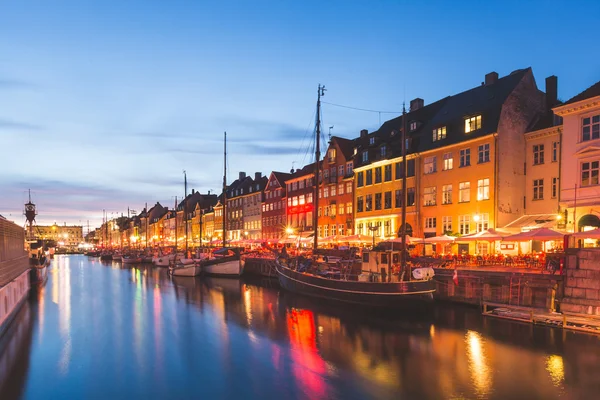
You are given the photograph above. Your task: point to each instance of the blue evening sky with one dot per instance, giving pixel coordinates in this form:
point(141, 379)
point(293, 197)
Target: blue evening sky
point(103, 104)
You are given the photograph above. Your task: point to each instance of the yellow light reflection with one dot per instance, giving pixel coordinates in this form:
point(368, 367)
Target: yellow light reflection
point(480, 371)
point(556, 368)
point(432, 331)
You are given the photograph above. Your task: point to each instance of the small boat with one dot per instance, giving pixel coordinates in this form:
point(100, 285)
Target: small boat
point(132, 260)
point(105, 256)
point(117, 256)
point(226, 262)
point(190, 270)
point(163, 260)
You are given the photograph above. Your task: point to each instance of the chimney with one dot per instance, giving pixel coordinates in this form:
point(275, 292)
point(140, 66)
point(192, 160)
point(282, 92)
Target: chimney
point(491, 78)
point(551, 91)
point(363, 133)
point(193, 191)
point(242, 175)
point(257, 176)
point(416, 104)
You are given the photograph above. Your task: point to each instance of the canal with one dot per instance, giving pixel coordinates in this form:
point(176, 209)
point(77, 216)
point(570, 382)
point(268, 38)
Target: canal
point(104, 331)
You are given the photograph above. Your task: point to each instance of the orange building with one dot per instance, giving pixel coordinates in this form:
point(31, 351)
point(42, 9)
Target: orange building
point(336, 189)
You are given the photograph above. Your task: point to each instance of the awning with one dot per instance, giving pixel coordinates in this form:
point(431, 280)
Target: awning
point(442, 239)
point(593, 234)
point(490, 235)
point(542, 234)
point(534, 221)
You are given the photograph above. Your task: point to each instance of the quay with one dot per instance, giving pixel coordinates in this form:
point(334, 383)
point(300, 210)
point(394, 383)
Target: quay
point(14, 271)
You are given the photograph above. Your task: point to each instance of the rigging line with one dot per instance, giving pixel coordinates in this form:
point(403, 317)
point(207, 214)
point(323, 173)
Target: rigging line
point(311, 122)
point(361, 109)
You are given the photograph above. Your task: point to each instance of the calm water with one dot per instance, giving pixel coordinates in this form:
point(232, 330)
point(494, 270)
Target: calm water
point(103, 331)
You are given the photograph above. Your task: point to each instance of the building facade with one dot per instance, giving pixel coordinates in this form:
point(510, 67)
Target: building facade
point(252, 200)
point(299, 195)
point(64, 235)
point(274, 217)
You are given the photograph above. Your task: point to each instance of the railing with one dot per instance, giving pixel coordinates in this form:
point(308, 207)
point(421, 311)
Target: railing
point(12, 241)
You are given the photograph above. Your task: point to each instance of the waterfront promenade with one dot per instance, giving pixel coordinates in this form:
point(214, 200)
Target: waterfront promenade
point(101, 330)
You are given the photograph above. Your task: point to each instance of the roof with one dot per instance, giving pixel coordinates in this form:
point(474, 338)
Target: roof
point(544, 121)
point(533, 221)
point(588, 93)
point(346, 146)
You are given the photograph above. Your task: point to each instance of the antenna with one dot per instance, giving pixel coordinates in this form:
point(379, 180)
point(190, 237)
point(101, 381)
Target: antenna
point(330, 128)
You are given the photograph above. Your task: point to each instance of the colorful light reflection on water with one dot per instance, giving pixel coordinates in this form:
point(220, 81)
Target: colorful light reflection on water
point(106, 331)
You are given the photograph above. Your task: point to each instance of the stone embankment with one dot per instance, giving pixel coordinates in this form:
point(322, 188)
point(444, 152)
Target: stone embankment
point(582, 284)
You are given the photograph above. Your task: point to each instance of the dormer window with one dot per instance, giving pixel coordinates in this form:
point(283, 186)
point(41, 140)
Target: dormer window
point(383, 150)
point(331, 155)
point(413, 125)
point(355, 150)
point(472, 123)
point(372, 140)
point(365, 156)
point(439, 133)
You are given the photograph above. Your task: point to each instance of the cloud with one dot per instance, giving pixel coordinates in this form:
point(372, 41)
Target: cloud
point(270, 150)
point(6, 124)
point(10, 84)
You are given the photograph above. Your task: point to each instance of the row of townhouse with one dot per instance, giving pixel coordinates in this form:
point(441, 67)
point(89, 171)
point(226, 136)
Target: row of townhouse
point(496, 155)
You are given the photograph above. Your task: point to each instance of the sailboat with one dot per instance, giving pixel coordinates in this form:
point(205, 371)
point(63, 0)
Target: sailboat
point(226, 262)
point(383, 280)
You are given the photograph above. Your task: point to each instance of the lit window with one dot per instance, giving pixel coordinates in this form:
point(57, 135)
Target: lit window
point(465, 157)
point(446, 224)
point(333, 190)
point(348, 187)
point(430, 165)
point(590, 128)
point(439, 133)
point(429, 196)
point(464, 224)
point(483, 189)
point(341, 209)
point(589, 173)
point(447, 161)
point(464, 192)
point(341, 188)
point(483, 222)
point(555, 151)
point(348, 208)
point(484, 153)
point(326, 192)
point(331, 155)
point(472, 123)
point(430, 223)
point(301, 199)
point(538, 189)
point(447, 194)
point(538, 154)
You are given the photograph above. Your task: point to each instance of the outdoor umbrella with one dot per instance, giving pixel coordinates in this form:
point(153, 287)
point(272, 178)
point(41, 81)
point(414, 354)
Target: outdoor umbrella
point(489, 235)
point(356, 239)
point(408, 239)
point(593, 234)
point(442, 239)
point(542, 234)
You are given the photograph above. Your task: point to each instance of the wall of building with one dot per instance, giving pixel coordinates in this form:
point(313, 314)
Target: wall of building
point(582, 285)
point(547, 171)
point(12, 295)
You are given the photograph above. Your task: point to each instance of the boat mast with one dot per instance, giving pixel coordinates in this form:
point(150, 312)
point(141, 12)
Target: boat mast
point(185, 210)
point(224, 187)
point(404, 194)
point(147, 221)
point(320, 92)
point(175, 224)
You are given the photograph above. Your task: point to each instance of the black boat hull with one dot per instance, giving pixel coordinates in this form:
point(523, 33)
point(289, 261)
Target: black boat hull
point(393, 294)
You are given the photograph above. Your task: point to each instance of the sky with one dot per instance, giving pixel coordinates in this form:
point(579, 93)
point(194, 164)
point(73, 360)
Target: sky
point(104, 104)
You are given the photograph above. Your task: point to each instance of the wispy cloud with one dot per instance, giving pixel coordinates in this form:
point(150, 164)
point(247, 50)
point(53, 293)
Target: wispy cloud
point(12, 84)
point(7, 124)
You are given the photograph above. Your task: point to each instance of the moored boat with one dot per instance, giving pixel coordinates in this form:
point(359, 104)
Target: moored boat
point(185, 270)
point(226, 262)
point(132, 259)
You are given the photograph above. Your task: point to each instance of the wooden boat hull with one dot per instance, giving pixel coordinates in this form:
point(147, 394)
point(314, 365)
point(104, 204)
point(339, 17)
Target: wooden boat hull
point(226, 267)
point(132, 260)
point(187, 270)
point(393, 294)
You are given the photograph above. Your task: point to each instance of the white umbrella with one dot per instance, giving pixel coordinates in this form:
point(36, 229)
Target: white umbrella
point(542, 234)
point(593, 234)
point(442, 239)
point(489, 235)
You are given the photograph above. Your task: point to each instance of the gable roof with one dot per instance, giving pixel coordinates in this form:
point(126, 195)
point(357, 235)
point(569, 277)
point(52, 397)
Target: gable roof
point(588, 93)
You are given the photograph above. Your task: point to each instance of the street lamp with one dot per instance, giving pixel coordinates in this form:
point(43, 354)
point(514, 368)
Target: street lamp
point(289, 230)
point(373, 228)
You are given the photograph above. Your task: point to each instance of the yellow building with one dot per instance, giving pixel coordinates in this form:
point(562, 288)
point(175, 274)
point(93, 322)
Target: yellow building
point(65, 235)
point(465, 162)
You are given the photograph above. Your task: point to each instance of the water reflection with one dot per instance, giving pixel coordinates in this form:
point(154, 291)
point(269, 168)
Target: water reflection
point(104, 330)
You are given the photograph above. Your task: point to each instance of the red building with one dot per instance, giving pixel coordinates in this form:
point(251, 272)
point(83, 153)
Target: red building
point(274, 206)
point(299, 192)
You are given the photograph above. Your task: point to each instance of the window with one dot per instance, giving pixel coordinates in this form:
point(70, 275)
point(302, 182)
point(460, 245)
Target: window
point(341, 209)
point(398, 198)
point(482, 223)
point(464, 192)
point(554, 151)
point(365, 156)
point(429, 165)
point(410, 197)
point(378, 201)
point(447, 194)
point(370, 177)
point(446, 224)
point(331, 155)
point(326, 173)
point(360, 179)
point(538, 154)
point(538, 189)
point(589, 173)
point(484, 153)
point(387, 201)
point(369, 202)
point(387, 173)
point(413, 125)
point(301, 199)
point(348, 208)
point(301, 184)
point(410, 168)
point(382, 150)
point(341, 188)
point(372, 140)
point(429, 196)
point(439, 133)
point(464, 222)
point(554, 187)
point(332, 210)
point(378, 175)
point(359, 204)
point(294, 185)
point(340, 170)
point(590, 128)
point(472, 123)
point(465, 157)
point(332, 190)
point(309, 198)
point(348, 187)
point(430, 223)
point(326, 192)
point(447, 161)
point(483, 189)
point(349, 168)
